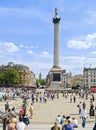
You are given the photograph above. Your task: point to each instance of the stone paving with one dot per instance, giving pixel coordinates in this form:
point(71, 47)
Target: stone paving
point(45, 113)
point(48, 127)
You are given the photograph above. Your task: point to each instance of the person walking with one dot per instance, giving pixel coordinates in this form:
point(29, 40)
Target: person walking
point(12, 124)
point(83, 105)
point(74, 122)
point(83, 115)
point(79, 106)
point(55, 127)
point(6, 107)
point(71, 96)
point(91, 111)
point(31, 110)
point(74, 98)
point(68, 126)
point(63, 119)
point(32, 97)
point(20, 125)
point(58, 119)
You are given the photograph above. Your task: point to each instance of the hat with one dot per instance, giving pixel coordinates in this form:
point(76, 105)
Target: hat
point(14, 120)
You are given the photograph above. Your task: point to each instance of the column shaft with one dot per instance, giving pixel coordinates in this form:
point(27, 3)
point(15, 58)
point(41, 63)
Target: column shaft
point(56, 44)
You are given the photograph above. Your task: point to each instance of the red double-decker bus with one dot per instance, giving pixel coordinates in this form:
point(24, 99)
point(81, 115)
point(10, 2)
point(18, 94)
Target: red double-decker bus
point(93, 89)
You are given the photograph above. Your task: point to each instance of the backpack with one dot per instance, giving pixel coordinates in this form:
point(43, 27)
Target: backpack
point(26, 120)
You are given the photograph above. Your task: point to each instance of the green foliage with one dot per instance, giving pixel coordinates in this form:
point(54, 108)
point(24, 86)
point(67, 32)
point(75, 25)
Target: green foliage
point(13, 76)
point(10, 77)
point(41, 81)
point(2, 78)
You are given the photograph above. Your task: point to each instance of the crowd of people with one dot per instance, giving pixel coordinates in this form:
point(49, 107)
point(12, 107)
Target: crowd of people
point(44, 97)
point(67, 122)
point(18, 120)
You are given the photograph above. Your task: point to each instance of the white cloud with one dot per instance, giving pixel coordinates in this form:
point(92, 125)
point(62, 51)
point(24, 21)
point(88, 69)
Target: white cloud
point(8, 47)
point(74, 58)
point(31, 47)
point(41, 67)
point(26, 46)
point(90, 17)
point(91, 37)
point(46, 54)
point(24, 13)
point(21, 46)
point(93, 53)
point(92, 60)
point(89, 41)
point(30, 51)
point(76, 64)
point(73, 62)
point(76, 44)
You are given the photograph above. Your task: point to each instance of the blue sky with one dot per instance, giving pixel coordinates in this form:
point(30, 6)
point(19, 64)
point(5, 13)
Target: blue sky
point(27, 32)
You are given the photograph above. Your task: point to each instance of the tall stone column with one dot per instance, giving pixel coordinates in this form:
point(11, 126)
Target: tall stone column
point(56, 21)
point(55, 74)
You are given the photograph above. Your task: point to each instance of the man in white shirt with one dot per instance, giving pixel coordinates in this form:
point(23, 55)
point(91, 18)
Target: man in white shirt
point(20, 125)
point(58, 119)
point(74, 122)
point(83, 114)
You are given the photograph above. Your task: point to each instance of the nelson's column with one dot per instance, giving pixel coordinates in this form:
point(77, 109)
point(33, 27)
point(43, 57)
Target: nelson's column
point(54, 78)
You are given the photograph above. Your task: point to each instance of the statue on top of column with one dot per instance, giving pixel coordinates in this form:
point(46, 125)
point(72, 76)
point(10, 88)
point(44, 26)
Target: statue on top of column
point(56, 18)
point(56, 13)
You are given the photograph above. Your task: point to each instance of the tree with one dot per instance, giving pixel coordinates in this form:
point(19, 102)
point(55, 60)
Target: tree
point(41, 82)
point(2, 78)
point(9, 77)
point(13, 76)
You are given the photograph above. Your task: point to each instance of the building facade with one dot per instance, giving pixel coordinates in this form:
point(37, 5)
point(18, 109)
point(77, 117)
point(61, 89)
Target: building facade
point(66, 77)
point(77, 80)
point(89, 75)
point(27, 77)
